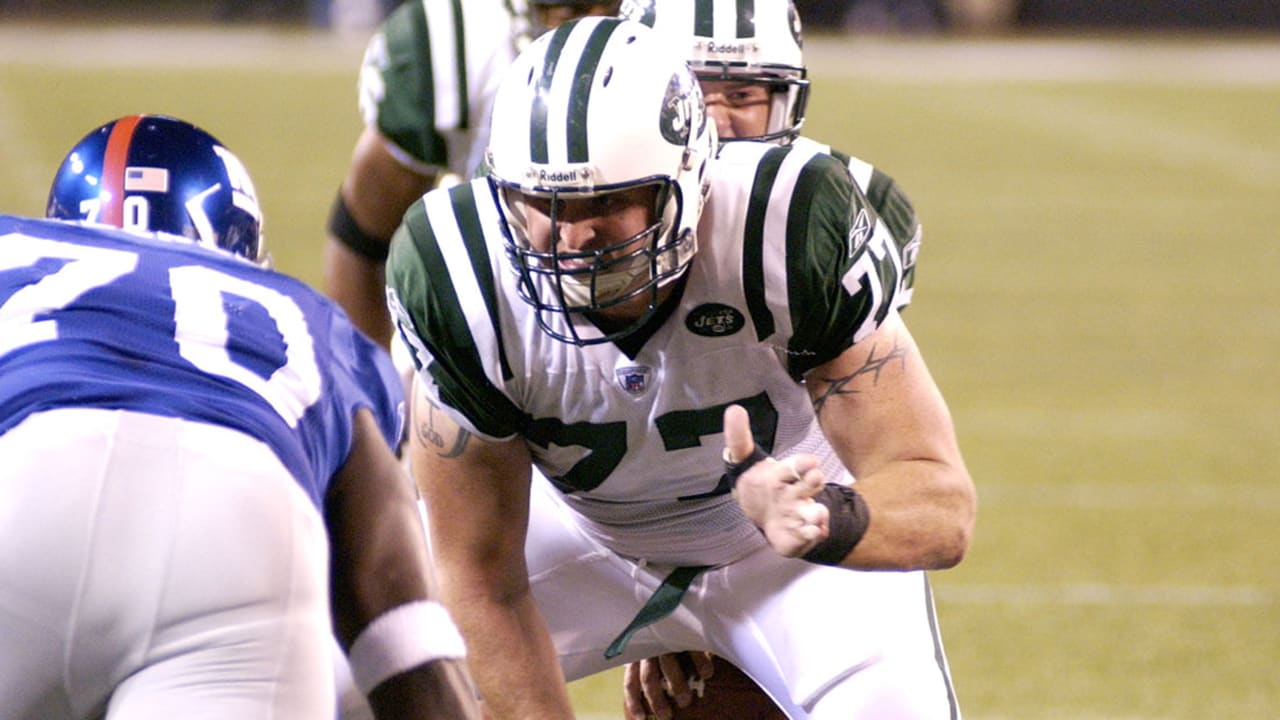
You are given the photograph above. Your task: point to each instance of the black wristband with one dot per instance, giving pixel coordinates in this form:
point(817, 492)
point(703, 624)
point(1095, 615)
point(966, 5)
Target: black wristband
point(733, 471)
point(849, 520)
point(345, 229)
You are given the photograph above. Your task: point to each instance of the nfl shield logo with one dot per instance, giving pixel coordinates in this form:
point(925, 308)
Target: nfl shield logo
point(634, 378)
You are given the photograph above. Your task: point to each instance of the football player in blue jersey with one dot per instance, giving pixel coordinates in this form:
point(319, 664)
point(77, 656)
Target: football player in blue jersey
point(426, 88)
point(700, 354)
point(198, 489)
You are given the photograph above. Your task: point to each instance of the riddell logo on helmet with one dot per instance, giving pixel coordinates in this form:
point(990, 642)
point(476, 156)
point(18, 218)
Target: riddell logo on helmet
point(713, 49)
point(563, 176)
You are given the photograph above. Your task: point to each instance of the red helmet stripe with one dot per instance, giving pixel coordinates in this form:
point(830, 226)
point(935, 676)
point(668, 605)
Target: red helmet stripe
point(113, 164)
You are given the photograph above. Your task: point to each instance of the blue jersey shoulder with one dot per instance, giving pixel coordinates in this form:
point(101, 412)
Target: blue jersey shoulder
point(96, 317)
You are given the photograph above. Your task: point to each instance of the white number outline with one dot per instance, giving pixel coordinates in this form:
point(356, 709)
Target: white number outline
point(202, 333)
point(879, 247)
point(89, 267)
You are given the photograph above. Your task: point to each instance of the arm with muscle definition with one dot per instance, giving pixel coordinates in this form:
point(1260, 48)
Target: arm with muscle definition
point(888, 423)
point(376, 193)
point(379, 563)
point(477, 496)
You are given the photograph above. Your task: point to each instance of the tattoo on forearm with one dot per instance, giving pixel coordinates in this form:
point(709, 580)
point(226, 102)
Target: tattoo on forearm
point(873, 366)
point(429, 435)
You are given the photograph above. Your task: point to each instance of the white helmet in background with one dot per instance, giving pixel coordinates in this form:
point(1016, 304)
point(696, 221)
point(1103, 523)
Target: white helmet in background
point(530, 17)
point(756, 41)
point(597, 106)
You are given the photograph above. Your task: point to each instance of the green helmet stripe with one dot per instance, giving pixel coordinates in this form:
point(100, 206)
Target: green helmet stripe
point(579, 92)
point(746, 18)
point(580, 95)
point(704, 21)
point(704, 18)
point(648, 14)
point(538, 122)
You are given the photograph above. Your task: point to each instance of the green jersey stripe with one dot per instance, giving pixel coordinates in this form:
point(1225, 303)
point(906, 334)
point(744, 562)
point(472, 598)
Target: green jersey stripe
point(753, 242)
point(649, 15)
point(433, 287)
point(805, 299)
point(421, 49)
point(471, 229)
point(460, 66)
point(447, 216)
point(798, 228)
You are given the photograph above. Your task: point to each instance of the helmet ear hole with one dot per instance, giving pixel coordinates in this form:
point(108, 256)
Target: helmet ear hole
point(157, 174)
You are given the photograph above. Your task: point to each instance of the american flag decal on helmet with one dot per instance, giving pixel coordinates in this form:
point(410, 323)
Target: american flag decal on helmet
point(146, 179)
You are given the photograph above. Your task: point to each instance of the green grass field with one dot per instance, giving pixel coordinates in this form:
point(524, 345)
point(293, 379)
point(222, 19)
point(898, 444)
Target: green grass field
point(1097, 296)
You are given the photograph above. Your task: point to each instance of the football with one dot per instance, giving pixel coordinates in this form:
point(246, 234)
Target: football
point(730, 695)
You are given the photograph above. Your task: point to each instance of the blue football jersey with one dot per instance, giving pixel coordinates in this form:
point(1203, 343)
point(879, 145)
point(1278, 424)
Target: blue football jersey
point(95, 317)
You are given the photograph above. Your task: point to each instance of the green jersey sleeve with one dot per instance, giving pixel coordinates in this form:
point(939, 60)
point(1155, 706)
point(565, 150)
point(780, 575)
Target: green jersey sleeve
point(425, 303)
point(894, 207)
point(428, 77)
point(844, 272)
point(396, 86)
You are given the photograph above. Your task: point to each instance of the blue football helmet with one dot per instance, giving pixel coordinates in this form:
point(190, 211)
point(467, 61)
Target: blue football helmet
point(150, 173)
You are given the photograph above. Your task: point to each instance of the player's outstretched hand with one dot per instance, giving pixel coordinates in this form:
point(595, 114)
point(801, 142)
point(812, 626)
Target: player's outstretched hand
point(656, 687)
point(777, 495)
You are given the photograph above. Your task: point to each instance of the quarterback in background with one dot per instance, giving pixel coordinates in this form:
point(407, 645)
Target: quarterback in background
point(426, 89)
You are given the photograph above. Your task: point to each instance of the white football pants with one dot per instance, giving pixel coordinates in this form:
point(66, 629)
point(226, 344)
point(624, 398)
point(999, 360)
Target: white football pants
point(825, 643)
point(154, 568)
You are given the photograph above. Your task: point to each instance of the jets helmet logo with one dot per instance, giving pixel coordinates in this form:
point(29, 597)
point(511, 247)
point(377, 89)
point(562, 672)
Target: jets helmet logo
point(680, 114)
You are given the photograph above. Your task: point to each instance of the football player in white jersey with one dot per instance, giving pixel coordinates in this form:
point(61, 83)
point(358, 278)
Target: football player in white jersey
point(197, 488)
point(426, 87)
point(700, 354)
point(749, 61)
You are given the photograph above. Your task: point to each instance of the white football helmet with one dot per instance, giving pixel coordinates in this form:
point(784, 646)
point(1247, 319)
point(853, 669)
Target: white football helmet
point(596, 106)
point(757, 42)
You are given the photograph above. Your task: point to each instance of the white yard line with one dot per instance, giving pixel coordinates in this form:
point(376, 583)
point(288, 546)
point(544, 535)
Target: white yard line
point(1262, 496)
point(1153, 142)
point(197, 46)
point(1192, 59)
point(1107, 595)
point(1199, 59)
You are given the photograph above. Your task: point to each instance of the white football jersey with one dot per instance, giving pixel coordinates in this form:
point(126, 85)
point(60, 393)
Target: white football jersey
point(792, 267)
